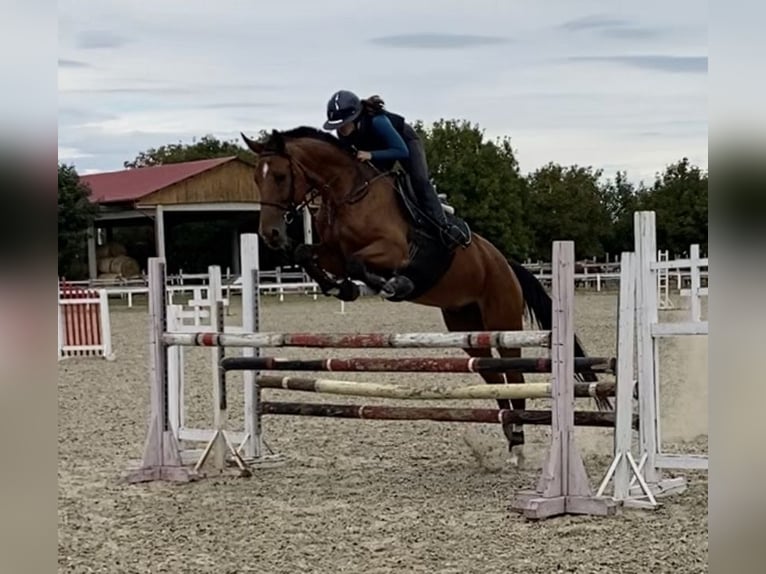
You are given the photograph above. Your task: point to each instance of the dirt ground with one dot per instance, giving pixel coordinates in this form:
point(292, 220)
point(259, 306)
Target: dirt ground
point(367, 497)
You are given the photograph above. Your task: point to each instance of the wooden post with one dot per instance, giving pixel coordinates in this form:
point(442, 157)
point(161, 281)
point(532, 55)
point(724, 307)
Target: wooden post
point(308, 231)
point(694, 288)
point(176, 414)
point(92, 257)
point(159, 231)
point(162, 457)
point(563, 487)
point(106, 324)
point(646, 307)
point(648, 331)
point(624, 466)
point(236, 255)
point(251, 305)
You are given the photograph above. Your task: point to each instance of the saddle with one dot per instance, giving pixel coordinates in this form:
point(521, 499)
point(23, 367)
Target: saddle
point(430, 255)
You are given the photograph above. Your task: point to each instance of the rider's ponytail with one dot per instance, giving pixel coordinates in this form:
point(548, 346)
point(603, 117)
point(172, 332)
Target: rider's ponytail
point(373, 105)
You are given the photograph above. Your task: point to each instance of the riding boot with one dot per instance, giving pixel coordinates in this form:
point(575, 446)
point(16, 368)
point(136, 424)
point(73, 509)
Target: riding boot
point(450, 233)
point(427, 199)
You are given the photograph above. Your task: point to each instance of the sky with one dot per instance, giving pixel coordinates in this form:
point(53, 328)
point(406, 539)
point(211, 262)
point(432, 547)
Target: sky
point(613, 85)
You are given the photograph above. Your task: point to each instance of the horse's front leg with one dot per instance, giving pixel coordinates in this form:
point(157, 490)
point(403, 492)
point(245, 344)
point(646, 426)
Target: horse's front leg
point(317, 261)
point(381, 255)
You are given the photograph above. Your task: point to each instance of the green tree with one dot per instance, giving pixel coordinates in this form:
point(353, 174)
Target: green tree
point(679, 196)
point(208, 147)
point(565, 203)
point(75, 214)
point(621, 199)
point(481, 180)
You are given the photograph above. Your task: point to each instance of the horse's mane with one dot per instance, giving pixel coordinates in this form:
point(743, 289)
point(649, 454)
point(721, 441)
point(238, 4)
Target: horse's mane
point(277, 139)
point(307, 132)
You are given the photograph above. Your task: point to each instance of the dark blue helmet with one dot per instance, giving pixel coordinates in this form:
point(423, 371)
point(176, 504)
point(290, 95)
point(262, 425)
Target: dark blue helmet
point(344, 107)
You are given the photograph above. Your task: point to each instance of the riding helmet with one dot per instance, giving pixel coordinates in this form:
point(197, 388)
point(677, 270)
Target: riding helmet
point(343, 107)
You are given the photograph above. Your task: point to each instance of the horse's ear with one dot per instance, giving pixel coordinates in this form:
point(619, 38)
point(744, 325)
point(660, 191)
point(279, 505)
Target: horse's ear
point(278, 142)
point(255, 147)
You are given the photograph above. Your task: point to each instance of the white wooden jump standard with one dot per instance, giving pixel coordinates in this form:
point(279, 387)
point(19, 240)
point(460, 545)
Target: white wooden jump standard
point(624, 468)
point(564, 487)
point(162, 456)
point(649, 331)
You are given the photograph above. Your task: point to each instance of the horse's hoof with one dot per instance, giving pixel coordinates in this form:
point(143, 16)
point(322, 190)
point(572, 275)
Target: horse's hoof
point(517, 457)
point(397, 288)
point(386, 293)
point(349, 291)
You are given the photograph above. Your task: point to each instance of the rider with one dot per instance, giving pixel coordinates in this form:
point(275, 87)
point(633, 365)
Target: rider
point(367, 126)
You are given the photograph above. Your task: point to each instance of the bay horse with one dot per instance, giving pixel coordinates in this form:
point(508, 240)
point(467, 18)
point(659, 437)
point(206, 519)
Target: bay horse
point(366, 233)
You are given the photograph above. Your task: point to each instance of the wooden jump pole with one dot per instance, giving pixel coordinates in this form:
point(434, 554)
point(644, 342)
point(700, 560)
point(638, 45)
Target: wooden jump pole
point(473, 340)
point(389, 391)
point(416, 364)
point(439, 414)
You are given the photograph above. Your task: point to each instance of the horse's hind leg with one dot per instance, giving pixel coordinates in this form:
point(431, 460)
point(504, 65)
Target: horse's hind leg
point(469, 318)
point(504, 312)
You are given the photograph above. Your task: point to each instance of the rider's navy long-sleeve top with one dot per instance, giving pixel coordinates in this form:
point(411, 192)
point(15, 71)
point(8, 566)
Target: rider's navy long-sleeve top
point(397, 149)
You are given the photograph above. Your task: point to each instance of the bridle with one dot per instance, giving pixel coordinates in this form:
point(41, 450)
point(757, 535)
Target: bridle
point(292, 207)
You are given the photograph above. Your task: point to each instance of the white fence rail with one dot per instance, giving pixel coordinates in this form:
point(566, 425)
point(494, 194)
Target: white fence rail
point(674, 276)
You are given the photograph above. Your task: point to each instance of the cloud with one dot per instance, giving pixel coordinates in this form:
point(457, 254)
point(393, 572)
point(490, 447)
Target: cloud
point(145, 91)
point(631, 33)
point(239, 105)
point(97, 39)
point(663, 63)
point(132, 86)
point(181, 77)
point(610, 27)
point(593, 23)
point(437, 41)
point(70, 153)
point(64, 63)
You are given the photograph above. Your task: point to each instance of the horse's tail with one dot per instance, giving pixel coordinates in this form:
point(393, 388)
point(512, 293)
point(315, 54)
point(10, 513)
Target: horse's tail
point(539, 306)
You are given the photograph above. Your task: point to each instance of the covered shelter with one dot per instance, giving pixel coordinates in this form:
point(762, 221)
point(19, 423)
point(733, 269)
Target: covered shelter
point(164, 195)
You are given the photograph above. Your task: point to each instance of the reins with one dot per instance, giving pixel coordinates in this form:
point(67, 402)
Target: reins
point(317, 187)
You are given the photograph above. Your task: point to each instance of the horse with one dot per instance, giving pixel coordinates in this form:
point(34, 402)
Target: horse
point(367, 233)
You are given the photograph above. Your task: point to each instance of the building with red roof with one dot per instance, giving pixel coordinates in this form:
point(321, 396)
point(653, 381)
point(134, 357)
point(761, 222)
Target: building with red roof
point(161, 195)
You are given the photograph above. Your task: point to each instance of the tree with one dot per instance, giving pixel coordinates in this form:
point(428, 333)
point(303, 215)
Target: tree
point(621, 199)
point(75, 214)
point(208, 147)
point(566, 204)
point(679, 196)
point(481, 180)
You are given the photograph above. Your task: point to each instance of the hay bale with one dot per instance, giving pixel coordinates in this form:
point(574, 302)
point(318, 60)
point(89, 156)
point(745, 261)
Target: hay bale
point(121, 265)
point(110, 249)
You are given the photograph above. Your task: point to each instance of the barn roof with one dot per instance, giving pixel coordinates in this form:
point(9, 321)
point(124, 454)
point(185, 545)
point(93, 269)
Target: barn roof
point(134, 184)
